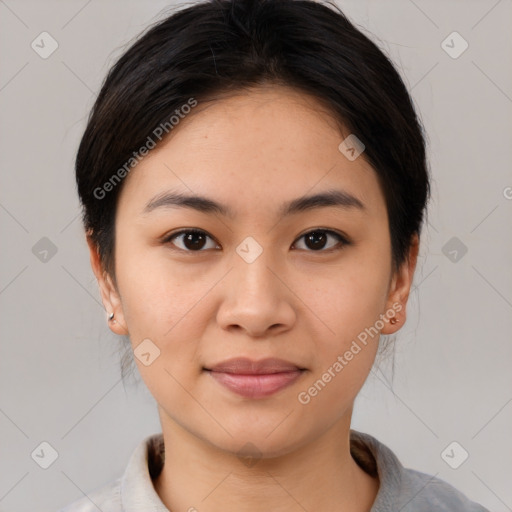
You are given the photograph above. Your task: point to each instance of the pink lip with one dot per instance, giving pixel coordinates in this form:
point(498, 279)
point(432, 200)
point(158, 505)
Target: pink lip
point(255, 379)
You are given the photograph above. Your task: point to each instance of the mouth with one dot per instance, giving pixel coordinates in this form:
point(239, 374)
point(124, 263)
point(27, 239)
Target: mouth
point(246, 366)
point(255, 379)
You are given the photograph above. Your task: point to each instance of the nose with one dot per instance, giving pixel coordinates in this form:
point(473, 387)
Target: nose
point(257, 299)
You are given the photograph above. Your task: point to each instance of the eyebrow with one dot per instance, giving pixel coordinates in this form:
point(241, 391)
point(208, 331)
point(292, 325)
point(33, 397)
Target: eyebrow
point(332, 197)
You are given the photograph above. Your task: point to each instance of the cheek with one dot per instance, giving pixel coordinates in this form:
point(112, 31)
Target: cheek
point(167, 303)
point(163, 306)
point(346, 342)
point(153, 296)
point(349, 302)
point(347, 298)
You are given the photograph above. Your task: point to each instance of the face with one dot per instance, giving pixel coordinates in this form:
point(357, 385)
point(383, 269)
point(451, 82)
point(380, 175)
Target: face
point(255, 277)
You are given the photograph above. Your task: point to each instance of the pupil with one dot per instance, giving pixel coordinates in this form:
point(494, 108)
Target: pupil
point(318, 239)
point(191, 241)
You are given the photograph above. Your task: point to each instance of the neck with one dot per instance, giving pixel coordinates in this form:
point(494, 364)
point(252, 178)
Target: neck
point(320, 475)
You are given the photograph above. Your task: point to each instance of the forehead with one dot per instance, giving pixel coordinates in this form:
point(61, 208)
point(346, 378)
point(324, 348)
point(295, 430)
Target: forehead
point(268, 145)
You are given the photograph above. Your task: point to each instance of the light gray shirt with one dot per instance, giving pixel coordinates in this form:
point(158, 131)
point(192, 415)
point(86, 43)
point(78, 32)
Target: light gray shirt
point(401, 489)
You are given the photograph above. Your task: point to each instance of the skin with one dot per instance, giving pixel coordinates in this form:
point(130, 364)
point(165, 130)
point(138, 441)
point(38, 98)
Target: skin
point(253, 152)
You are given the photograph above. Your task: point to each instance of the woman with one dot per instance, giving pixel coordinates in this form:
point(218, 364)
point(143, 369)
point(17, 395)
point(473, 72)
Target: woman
point(254, 181)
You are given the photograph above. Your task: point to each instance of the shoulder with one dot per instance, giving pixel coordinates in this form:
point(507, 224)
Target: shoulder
point(423, 492)
point(131, 489)
point(402, 488)
point(106, 498)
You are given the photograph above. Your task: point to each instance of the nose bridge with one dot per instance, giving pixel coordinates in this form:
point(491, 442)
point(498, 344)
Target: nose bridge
point(255, 298)
point(252, 270)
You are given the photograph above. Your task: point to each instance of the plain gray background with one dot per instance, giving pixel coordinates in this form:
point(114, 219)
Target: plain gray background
point(60, 380)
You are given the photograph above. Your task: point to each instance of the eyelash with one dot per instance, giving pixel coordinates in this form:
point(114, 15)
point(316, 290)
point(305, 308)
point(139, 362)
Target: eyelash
point(342, 239)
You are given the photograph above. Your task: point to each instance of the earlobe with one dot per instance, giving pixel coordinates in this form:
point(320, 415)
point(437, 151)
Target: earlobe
point(109, 294)
point(112, 303)
point(400, 289)
point(115, 326)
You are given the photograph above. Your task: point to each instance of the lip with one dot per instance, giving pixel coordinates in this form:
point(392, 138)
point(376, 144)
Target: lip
point(255, 379)
point(246, 366)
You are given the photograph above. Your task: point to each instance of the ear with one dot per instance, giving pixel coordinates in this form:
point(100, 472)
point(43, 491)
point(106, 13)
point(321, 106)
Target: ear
point(109, 294)
point(400, 288)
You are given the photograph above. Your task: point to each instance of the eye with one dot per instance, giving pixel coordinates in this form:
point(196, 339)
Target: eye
point(316, 240)
point(195, 240)
point(192, 240)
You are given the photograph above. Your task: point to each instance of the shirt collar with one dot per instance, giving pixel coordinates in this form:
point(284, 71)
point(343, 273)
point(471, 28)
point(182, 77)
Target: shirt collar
point(137, 491)
point(375, 457)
